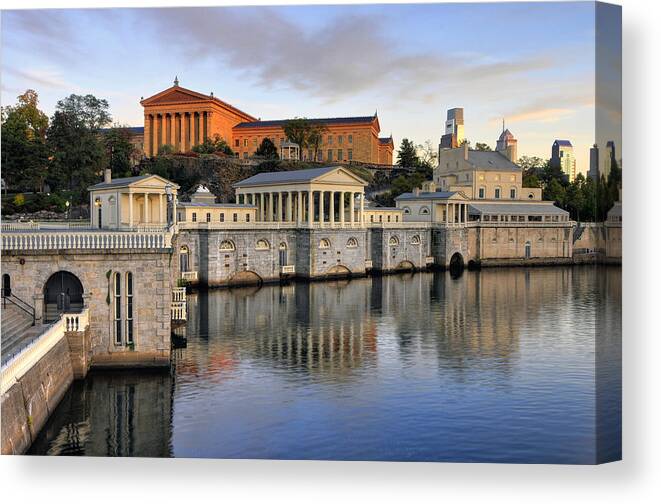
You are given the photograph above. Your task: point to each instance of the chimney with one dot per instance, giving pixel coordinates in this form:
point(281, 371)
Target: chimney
point(107, 175)
point(416, 191)
point(465, 144)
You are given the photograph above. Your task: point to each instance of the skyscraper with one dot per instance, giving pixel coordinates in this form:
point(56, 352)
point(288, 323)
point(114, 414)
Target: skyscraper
point(593, 172)
point(506, 144)
point(562, 156)
point(454, 129)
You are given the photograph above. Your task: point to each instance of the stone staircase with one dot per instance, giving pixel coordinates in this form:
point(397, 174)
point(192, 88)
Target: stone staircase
point(17, 329)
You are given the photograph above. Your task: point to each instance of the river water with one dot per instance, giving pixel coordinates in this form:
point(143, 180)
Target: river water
point(499, 365)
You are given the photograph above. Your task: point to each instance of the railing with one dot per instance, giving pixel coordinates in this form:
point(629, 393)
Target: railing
point(189, 276)
point(178, 309)
point(85, 239)
point(542, 224)
point(402, 224)
point(267, 225)
point(287, 269)
point(19, 303)
point(21, 362)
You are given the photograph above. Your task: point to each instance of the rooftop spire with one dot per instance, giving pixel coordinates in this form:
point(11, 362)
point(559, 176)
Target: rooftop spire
point(176, 81)
point(503, 125)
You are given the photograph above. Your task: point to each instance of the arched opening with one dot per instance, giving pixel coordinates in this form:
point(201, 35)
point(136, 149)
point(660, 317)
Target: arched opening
point(63, 292)
point(528, 250)
point(324, 243)
point(282, 254)
point(457, 262)
point(338, 270)
point(6, 285)
point(405, 266)
point(473, 265)
point(227, 246)
point(352, 243)
point(245, 278)
point(262, 245)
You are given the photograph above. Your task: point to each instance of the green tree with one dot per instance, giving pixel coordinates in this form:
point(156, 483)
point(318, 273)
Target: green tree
point(120, 151)
point(555, 191)
point(482, 146)
point(78, 154)
point(24, 149)
point(315, 138)
point(298, 131)
point(167, 149)
point(407, 155)
point(213, 145)
point(267, 150)
point(427, 156)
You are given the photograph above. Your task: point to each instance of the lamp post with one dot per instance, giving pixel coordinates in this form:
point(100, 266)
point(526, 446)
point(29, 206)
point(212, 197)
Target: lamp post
point(97, 204)
point(67, 210)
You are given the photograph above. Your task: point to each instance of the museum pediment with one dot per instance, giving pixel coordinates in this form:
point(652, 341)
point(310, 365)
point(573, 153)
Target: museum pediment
point(175, 95)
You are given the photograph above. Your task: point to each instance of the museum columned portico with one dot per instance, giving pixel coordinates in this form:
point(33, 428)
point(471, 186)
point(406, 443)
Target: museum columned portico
point(179, 129)
point(323, 197)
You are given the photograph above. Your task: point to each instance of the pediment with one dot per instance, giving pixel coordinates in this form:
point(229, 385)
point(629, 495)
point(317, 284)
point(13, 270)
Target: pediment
point(340, 176)
point(175, 95)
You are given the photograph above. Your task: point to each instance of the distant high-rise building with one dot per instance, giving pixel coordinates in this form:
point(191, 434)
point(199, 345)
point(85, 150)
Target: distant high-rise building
point(506, 145)
point(454, 129)
point(562, 156)
point(609, 158)
point(593, 172)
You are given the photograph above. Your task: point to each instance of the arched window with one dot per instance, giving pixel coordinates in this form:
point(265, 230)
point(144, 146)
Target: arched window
point(352, 243)
point(407, 210)
point(528, 250)
point(531, 195)
point(227, 246)
point(184, 261)
point(282, 253)
point(262, 245)
point(117, 307)
point(424, 210)
point(129, 308)
point(497, 193)
point(482, 191)
point(324, 243)
point(415, 240)
point(393, 241)
point(512, 192)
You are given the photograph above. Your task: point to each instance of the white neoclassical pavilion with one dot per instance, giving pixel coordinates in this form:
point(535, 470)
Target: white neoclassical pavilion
point(133, 202)
point(318, 197)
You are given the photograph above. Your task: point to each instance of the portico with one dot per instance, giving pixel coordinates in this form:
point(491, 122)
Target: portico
point(320, 197)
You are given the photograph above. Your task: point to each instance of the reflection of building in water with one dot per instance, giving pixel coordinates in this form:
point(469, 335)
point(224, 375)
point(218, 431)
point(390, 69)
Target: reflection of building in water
point(133, 410)
point(318, 327)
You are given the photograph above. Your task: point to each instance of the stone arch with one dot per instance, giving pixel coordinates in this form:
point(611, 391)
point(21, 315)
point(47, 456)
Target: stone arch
point(245, 278)
point(352, 242)
point(415, 240)
point(227, 246)
point(393, 241)
point(63, 292)
point(262, 244)
point(457, 261)
point(184, 258)
point(324, 243)
point(405, 266)
point(338, 270)
point(424, 211)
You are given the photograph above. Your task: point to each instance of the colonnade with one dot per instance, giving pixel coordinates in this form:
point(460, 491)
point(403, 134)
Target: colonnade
point(146, 217)
point(181, 130)
point(333, 208)
point(456, 213)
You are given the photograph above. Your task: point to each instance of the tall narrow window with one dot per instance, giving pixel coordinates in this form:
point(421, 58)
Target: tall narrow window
point(208, 217)
point(117, 311)
point(129, 308)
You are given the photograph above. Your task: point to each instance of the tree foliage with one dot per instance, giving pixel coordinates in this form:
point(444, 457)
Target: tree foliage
point(215, 145)
point(305, 133)
point(482, 146)
point(119, 151)
point(407, 155)
point(267, 150)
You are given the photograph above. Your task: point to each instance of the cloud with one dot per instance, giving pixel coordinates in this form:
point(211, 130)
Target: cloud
point(43, 77)
point(550, 108)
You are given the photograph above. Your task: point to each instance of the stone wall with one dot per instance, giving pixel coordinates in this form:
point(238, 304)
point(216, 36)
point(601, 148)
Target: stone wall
point(28, 403)
point(394, 249)
point(152, 280)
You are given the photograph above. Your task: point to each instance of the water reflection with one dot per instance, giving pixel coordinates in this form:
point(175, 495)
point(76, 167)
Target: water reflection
point(495, 365)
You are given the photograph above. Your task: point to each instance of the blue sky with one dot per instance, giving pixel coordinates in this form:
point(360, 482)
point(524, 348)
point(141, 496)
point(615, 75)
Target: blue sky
point(531, 63)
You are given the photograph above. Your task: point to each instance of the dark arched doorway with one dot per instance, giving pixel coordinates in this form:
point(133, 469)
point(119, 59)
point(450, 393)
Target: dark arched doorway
point(457, 261)
point(6, 285)
point(63, 292)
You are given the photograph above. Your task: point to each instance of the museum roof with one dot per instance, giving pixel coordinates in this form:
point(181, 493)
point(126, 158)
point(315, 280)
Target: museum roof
point(134, 130)
point(513, 208)
point(426, 195)
point(127, 181)
point(327, 120)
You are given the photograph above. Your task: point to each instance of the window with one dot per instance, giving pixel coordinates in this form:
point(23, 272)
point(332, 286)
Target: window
point(330, 154)
point(424, 211)
point(352, 243)
point(393, 241)
point(339, 155)
point(247, 217)
point(320, 155)
point(330, 140)
point(350, 154)
point(227, 246)
point(396, 218)
point(415, 240)
point(129, 308)
point(117, 308)
point(407, 210)
point(194, 216)
point(340, 138)
point(480, 193)
point(254, 142)
point(512, 193)
point(497, 193)
point(245, 155)
point(237, 143)
point(324, 243)
point(235, 217)
point(245, 142)
point(371, 218)
point(208, 217)
point(262, 245)
point(350, 139)
point(282, 140)
point(222, 216)
point(380, 218)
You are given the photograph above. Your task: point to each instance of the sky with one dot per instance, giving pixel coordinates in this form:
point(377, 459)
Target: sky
point(531, 64)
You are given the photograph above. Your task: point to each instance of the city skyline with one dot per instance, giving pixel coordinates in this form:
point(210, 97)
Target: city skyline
point(325, 61)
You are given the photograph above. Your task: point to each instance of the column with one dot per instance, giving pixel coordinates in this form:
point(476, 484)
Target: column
point(147, 135)
point(351, 201)
point(362, 208)
point(321, 207)
point(270, 216)
point(279, 219)
point(159, 128)
point(177, 132)
point(260, 211)
point(160, 209)
point(289, 206)
point(207, 122)
point(145, 212)
point(447, 213)
point(299, 207)
point(130, 210)
point(331, 210)
point(310, 207)
point(341, 208)
point(186, 131)
point(465, 212)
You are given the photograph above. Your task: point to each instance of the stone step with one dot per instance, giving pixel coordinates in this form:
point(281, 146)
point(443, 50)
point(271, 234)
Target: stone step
point(15, 324)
